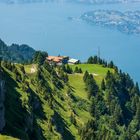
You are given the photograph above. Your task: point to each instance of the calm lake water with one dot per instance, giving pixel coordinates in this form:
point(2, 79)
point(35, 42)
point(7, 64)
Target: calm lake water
point(45, 26)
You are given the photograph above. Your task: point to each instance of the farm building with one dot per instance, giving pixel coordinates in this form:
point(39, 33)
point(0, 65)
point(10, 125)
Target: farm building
point(59, 60)
point(73, 61)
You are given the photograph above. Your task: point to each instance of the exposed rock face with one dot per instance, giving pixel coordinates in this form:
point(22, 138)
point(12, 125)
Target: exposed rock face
point(2, 108)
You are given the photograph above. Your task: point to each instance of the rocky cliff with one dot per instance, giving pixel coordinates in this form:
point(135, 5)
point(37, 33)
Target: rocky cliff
point(2, 108)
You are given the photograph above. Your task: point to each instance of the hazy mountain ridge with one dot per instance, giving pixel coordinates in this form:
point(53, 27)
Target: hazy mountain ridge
point(106, 1)
point(16, 53)
point(77, 1)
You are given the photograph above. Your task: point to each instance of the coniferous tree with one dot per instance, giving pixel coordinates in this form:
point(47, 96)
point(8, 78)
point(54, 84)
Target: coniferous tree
point(103, 87)
point(80, 70)
point(91, 85)
point(76, 69)
point(86, 74)
point(111, 64)
point(117, 114)
point(90, 60)
point(138, 112)
point(40, 57)
point(69, 69)
point(22, 69)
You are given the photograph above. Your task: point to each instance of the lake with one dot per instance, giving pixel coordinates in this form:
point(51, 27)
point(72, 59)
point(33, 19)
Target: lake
point(45, 26)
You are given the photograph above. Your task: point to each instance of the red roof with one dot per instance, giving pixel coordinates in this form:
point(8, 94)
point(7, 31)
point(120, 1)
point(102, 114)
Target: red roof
point(56, 59)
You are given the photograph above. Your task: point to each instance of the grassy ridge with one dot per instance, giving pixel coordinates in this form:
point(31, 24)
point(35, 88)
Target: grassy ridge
point(98, 71)
point(2, 137)
point(78, 85)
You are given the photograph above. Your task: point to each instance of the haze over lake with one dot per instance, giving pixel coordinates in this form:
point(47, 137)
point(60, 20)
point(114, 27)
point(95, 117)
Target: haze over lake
point(45, 26)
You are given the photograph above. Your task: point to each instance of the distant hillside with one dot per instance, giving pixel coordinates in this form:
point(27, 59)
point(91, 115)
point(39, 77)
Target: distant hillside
point(104, 1)
point(125, 22)
point(16, 53)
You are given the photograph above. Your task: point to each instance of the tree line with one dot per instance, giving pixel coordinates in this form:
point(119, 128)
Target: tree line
point(115, 108)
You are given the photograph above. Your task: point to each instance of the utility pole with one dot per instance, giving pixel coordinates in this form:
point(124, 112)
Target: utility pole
point(99, 52)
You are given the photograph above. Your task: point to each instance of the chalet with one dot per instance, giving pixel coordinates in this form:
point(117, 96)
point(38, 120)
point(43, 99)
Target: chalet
point(73, 61)
point(59, 60)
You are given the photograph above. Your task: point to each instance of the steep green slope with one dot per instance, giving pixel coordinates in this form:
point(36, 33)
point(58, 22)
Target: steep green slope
point(43, 102)
point(78, 86)
point(2, 137)
point(76, 81)
point(98, 71)
point(41, 105)
point(93, 68)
